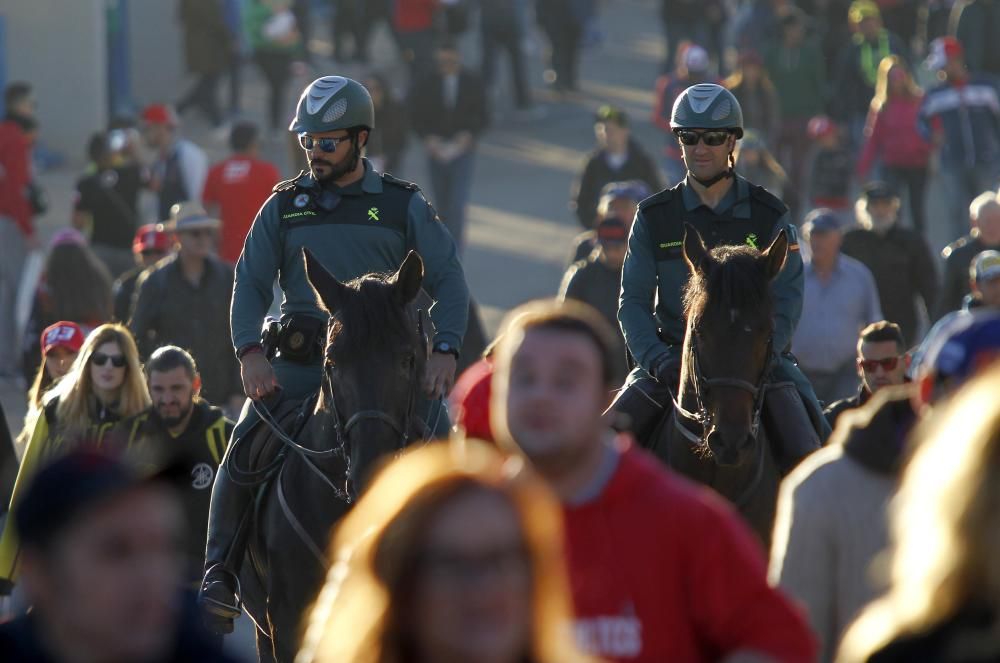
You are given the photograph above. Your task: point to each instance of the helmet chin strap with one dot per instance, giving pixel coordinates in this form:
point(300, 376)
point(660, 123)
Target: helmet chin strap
point(708, 183)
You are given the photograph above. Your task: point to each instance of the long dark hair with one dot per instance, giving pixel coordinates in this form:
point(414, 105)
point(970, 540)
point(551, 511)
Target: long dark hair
point(79, 285)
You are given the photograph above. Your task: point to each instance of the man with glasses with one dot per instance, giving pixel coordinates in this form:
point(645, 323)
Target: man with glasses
point(727, 210)
point(882, 362)
point(355, 220)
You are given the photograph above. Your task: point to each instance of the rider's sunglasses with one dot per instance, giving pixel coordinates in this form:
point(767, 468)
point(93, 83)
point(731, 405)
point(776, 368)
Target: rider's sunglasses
point(887, 364)
point(322, 144)
point(101, 359)
point(711, 138)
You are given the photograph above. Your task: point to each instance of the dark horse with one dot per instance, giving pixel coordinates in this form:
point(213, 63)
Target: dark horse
point(374, 363)
point(714, 434)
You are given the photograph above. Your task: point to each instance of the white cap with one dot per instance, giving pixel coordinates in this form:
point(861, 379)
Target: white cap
point(696, 58)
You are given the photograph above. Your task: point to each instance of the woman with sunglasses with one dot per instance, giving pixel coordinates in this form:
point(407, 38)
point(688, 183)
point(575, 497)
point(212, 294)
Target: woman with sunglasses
point(104, 384)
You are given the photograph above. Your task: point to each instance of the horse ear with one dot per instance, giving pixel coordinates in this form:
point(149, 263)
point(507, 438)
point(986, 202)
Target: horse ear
point(775, 255)
point(409, 278)
point(695, 253)
point(330, 291)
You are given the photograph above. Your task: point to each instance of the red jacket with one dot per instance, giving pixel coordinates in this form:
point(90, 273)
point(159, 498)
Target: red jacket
point(15, 176)
point(414, 15)
point(470, 400)
point(893, 137)
point(663, 570)
point(239, 186)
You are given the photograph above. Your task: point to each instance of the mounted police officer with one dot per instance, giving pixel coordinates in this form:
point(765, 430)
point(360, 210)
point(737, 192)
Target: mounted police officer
point(356, 221)
point(726, 209)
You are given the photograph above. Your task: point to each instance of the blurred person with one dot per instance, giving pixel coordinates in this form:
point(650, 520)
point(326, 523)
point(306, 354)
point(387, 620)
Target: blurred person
point(961, 118)
point(180, 167)
point(449, 111)
point(232, 12)
point(150, 245)
point(237, 187)
point(208, 52)
point(184, 300)
point(618, 199)
point(829, 170)
point(386, 147)
point(692, 67)
point(503, 25)
point(882, 362)
point(832, 520)
point(984, 217)
point(75, 285)
point(619, 157)
point(899, 259)
point(794, 63)
point(413, 25)
point(840, 299)
point(563, 22)
point(953, 352)
point(61, 343)
point(106, 207)
point(984, 281)
point(17, 231)
point(8, 462)
point(975, 23)
point(469, 401)
point(757, 94)
point(596, 280)
point(942, 603)
point(276, 42)
point(182, 426)
point(636, 534)
point(892, 138)
point(856, 69)
point(453, 554)
point(688, 20)
point(755, 162)
point(103, 386)
point(102, 568)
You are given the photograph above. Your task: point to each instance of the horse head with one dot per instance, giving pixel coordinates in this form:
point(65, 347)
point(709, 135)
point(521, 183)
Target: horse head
point(728, 344)
point(374, 363)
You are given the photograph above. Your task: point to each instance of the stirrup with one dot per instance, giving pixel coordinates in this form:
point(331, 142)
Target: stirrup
point(215, 606)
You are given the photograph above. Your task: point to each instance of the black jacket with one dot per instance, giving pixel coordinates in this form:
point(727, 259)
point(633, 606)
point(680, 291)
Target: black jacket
point(904, 270)
point(958, 257)
point(429, 115)
point(833, 411)
point(879, 444)
point(597, 173)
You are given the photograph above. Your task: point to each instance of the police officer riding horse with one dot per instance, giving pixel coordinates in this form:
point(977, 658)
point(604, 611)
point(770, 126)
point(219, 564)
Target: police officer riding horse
point(355, 220)
point(725, 209)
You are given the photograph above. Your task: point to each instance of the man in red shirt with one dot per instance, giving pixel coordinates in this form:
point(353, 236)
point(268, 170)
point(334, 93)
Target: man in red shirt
point(237, 187)
point(661, 570)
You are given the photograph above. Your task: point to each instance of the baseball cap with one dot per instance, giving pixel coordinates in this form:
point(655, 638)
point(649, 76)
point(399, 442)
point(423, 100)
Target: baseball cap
point(878, 191)
point(943, 49)
point(151, 237)
point(159, 114)
point(609, 113)
point(75, 482)
point(696, 58)
point(611, 229)
point(820, 126)
point(821, 220)
point(964, 345)
point(190, 216)
point(63, 334)
point(632, 189)
point(862, 9)
point(986, 266)
point(68, 236)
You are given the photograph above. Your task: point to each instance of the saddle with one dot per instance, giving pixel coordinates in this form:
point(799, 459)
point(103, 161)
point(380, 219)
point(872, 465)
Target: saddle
point(787, 423)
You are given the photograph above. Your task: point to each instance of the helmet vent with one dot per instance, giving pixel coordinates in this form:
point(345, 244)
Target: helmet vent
point(321, 91)
point(336, 111)
point(723, 110)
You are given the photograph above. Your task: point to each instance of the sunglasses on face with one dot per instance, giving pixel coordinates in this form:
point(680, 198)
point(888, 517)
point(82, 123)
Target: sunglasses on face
point(322, 144)
point(197, 233)
point(887, 364)
point(101, 359)
point(711, 138)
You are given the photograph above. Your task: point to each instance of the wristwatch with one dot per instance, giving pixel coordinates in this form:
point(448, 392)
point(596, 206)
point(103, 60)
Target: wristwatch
point(445, 348)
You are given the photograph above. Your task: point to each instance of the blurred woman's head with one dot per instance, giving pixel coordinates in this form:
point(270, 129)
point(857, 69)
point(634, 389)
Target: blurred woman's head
point(452, 554)
point(892, 81)
point(945, 525)
point(60, 343)
point(106, 373)
point(79, 284)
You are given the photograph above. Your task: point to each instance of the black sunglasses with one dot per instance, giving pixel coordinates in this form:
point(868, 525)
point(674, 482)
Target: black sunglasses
point(712, 138)
point(322, 144)
point(101, 359)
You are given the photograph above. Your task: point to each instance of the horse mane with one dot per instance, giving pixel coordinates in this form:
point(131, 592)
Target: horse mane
point(732, 279)
point(373, 318)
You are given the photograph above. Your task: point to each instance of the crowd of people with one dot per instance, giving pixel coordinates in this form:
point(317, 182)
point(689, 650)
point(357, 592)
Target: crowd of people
point(538, 507)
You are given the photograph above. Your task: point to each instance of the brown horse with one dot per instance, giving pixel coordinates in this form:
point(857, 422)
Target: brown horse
point(714, 433)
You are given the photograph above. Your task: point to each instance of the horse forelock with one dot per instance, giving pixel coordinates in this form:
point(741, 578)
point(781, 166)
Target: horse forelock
point(372, 319)
point(732, 281)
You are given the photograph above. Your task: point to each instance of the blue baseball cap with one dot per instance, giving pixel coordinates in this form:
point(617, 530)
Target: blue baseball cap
point(963, 346)
point(821, 220)
point(632, 189)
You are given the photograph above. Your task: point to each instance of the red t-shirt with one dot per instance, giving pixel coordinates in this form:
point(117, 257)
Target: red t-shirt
point(15, 175)
point(239, 186)
point(663, 570)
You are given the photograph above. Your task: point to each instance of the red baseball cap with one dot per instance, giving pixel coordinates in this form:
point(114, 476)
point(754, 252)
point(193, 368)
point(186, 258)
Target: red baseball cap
point(63, 334)
point(151, 237)
point(159, 114)
point(943, 49)
point(820, 126)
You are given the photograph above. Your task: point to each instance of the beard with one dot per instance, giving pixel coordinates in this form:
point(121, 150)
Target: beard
point(170, 422)
point(335, 170)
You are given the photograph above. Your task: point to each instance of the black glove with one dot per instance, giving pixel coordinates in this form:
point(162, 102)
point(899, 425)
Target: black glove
point(667, 369)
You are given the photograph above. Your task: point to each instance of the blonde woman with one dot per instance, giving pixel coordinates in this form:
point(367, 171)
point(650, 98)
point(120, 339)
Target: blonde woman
point(451, 555)
point(944, 603)
point(104, 384)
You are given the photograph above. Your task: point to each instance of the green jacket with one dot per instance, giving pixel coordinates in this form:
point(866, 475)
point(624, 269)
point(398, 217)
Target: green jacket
point(799, 76)
point(655, 270)
point(372, 227)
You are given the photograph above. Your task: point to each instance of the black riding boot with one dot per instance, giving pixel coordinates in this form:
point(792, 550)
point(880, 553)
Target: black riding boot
point(220, 590)
point(643, 402)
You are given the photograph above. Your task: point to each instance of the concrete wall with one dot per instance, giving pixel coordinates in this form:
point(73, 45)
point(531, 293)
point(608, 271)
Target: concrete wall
point(157, 51)
point(59, 47)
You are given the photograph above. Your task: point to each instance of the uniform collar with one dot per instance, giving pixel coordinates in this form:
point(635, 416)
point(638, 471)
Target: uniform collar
point(370, 182)
point(736, 199)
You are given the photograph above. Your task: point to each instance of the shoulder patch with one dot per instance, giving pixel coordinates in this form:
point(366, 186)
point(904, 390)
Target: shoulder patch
point(391, 179)
point(762, 195)
point(287, 185)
